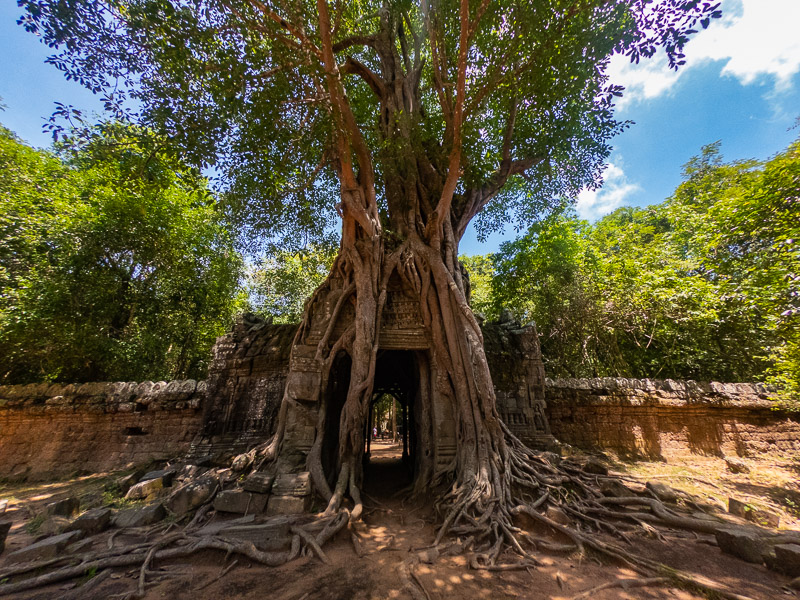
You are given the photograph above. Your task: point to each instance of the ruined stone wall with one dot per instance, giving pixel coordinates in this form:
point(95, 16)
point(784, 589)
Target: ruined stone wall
point(663, 419)
point(55, 430)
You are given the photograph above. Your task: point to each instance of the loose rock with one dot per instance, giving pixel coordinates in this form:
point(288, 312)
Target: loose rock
point(736, 465)
point(64, 508)
point(139, 517)
point(787, 559)
point(4, 528)
point(145, 489)
point(595, 466)
point(240, 501)
point(47, 548)
point(663, 492)
point(742, 543)
point(92, 521)
point(191, 495)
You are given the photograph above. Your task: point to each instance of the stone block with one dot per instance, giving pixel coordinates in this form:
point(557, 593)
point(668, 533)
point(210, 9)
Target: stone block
point(595, 466)
point(139, 517)
point(92, 521)
point(787, 559)
point(145, 489)
point(765, 518)
point(268, 537)
point(261, 483)
point(47, 548)
point(742, 543)
point(4, 529)
point(736, 465)
point(663, 492)
point(64, 508)
point(288, 505)
point(614, 488)
point(292, 484)
point(240, 501)
point(303, 385)
point(166, 475)
point(191, 495)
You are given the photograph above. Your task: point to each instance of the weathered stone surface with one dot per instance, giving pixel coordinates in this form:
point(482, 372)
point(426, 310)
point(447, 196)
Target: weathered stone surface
point(166, 476)
point(92, 521)
point(139, 517)
point(260, 483)
point(64, 508)
point(663, 492)
point(49, 547)
point(269, 537)
point(595, 466)
point(736, 465)
point(53, 525)
point(292, 484)
point(145, 489)
point(4, 529)
point(742, 543)
point(288, 505)
point(240, 501)
point(191, 495)
point(615, 489)
point(763, 517)
point(128, 481)
point(738, 508)
point(787, 559)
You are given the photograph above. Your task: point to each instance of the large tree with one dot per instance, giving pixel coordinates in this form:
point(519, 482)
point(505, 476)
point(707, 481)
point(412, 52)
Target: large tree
point(408, 120)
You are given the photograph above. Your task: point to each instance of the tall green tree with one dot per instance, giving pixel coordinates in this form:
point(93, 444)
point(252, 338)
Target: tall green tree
point(702, 286)
point(115, 263)
point(408, 120)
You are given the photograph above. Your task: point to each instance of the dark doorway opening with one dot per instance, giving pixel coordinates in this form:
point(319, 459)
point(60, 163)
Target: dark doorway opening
point(336, 395)
point(389, 459)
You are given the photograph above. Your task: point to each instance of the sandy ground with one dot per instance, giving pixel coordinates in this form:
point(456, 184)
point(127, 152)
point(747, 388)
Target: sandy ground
point(394, 533)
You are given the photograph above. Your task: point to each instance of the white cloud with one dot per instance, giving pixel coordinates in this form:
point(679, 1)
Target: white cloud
point(616, 188)
point(752, 39)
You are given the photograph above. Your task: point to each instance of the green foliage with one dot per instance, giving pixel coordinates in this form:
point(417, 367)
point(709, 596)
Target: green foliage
point(114, 262)
point(245, 88)
point(703, 286)
point(481, 271)
point(283, 281)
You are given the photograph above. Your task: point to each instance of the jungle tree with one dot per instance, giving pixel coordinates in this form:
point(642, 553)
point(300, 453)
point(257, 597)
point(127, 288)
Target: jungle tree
point(407, 120)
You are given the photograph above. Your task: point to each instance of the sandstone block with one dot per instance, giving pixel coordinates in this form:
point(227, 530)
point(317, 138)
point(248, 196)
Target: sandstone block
point(292, 484)
point(260, 483)
point(139, 517)
point(615, 489)
point(92, 521)
point(742, 543)
point(64, 508)
point(787, 559)
point(288, 505)
point(4, 529)
point(191, 495)
point(595, 466)
point(240, 501)
point(49, 547)
point(736, 465)
point(166, 476)
point(269, 537)
point(145, 489)
point(663, 492)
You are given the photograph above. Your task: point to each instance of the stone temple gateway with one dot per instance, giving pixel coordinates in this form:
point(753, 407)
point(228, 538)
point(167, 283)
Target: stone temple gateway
point(251, 370)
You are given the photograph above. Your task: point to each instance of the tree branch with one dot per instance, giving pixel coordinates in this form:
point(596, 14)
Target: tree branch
point(354, 67)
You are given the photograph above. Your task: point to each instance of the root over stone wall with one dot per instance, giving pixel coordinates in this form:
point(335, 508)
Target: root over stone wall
point(52, 430)
point(655, 419)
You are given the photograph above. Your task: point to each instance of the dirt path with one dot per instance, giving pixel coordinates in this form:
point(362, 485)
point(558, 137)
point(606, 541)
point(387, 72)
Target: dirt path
point(395, 537)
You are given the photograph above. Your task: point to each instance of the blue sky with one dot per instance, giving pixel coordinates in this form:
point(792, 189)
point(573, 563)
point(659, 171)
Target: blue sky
point(741, 85)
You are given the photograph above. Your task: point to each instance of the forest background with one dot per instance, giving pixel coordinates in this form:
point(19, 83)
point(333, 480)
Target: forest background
point(117, 262)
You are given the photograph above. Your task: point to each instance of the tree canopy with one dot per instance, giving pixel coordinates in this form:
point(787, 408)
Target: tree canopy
point(702, 286)
point(467, 108)
point(115, 263)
